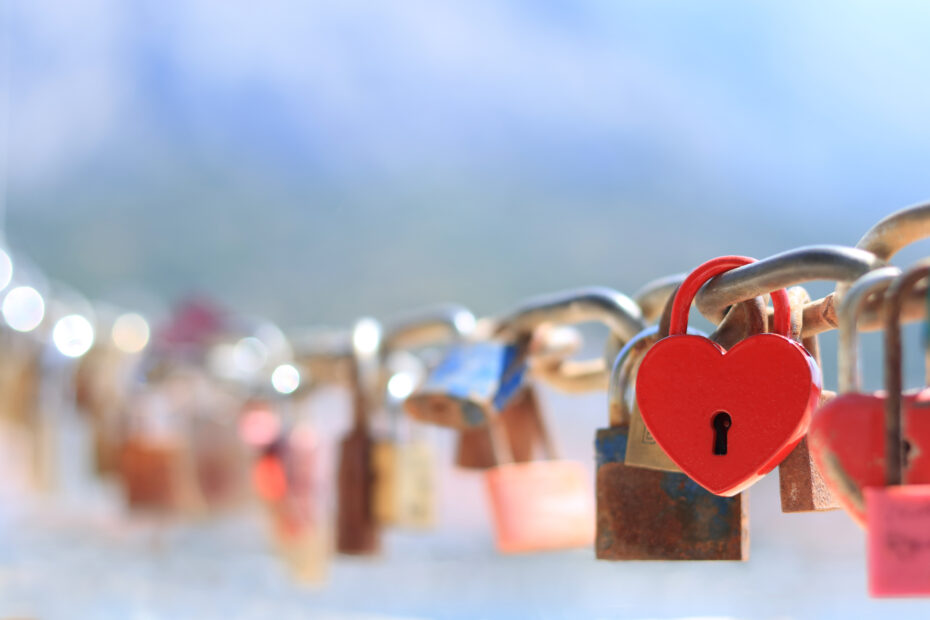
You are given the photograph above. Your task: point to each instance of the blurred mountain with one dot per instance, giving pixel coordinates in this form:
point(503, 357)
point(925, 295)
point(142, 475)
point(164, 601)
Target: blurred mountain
point(314, 161)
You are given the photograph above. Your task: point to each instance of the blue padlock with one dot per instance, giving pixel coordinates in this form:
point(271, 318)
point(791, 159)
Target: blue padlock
point(471, 385)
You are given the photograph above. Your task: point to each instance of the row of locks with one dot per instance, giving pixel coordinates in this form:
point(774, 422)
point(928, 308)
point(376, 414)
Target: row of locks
point(694, 419)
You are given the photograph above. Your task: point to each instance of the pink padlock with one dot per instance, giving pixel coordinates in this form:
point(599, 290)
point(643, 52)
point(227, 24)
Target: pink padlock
point(898, 515)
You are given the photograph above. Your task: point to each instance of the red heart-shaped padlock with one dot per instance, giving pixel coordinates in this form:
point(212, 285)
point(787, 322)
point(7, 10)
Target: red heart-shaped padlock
point(726, 418)
point(847, 439)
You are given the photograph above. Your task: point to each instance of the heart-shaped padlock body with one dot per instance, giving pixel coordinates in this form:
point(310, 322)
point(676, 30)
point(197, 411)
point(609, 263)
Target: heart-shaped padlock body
point(847, 440)
point(766, 386)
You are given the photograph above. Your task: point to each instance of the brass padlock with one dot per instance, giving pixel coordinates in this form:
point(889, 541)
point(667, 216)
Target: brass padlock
point(801, 485)
point(647, 514)
point(404, 493)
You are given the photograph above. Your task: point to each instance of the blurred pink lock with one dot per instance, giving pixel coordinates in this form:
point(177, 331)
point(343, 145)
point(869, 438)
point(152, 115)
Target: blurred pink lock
point(541, 506)
point(899, 540)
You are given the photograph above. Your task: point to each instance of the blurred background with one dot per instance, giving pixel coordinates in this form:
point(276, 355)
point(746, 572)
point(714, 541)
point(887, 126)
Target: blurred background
point(311, 162)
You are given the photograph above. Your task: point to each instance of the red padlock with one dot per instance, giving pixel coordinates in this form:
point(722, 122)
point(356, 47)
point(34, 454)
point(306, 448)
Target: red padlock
point(898, 514)
point(847, 433)
point(727, 418)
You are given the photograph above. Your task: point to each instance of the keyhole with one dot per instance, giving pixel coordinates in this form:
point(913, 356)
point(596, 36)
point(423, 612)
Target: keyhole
point(721, 424)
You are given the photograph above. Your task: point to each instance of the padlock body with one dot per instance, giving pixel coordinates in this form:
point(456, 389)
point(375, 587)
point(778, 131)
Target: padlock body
point(801, 485)
point(898, 539)
point(152, 474)
point(357, 531)
point(768, 385)
point(645, 514)
point(847, 438)
point(472, 384)
point(384, 456)
point(416, 485)
point(540, 506)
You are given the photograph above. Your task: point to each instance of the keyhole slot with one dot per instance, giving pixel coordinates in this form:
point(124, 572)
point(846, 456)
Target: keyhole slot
point(721, 423)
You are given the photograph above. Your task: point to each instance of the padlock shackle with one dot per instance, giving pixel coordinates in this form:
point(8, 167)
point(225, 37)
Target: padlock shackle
point(601, 304)
point(805, 264)
point(894, 382)
point(716, 266)
point(865, 288)
point(438, 324)
point(622, 370)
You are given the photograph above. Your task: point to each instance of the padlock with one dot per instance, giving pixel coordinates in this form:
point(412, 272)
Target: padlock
point(743, 320)
point(476, 381)
point(844, 431)
point(647, 514)
point(357, 531)
point(404, 493)
point(801, 485)
point(727, 418)
point(538, 505)
point(846, 436)
point(472, 384)
point(524, 428)
point(156, 467)
point(897, 513)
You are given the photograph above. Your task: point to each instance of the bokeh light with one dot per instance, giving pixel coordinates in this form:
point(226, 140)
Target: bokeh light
point(23, 308)
point(73, 335)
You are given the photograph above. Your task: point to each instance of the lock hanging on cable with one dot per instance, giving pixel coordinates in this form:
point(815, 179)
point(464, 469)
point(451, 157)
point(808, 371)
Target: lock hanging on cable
point(649, 514)
point(845, 433)
point(726, 418)
point(898, 513)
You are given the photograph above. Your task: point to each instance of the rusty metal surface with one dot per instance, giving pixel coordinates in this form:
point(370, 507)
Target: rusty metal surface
point(357, 531)
point(522, 424)
point(801, 484)
point(894, 381)
point(644, 514)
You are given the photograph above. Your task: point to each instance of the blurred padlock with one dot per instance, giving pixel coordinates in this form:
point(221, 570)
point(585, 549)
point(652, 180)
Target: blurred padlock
point(523, 426)
point(800, 482)
point(898, 514)
point(357, 531)
point(404, 493)
point(538, 505)
point(649, 514)
point(473, 383)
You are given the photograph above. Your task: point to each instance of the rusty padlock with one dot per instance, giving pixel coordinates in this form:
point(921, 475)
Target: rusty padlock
point(357, 531)
point(801, 485)
point(649, 514)
point(538, 505)
point(898, 513)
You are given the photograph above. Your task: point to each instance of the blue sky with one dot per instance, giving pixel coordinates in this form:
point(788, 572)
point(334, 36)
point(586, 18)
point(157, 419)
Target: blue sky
point(774, 120)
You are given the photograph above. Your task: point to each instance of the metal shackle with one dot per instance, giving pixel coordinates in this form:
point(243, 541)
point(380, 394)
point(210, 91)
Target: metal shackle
point(871, 285)
point(618, 312)
point(822, 262)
